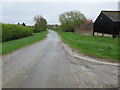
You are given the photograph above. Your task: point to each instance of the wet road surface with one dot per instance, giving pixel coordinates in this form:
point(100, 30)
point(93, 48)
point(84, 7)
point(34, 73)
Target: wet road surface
point(42, 65)
point(47, 64)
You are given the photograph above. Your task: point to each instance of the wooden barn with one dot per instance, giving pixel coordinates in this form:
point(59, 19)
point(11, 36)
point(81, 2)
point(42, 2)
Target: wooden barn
point(108, 22)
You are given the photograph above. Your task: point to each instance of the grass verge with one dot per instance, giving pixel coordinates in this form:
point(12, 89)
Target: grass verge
point(102, 47)
point(13, 45)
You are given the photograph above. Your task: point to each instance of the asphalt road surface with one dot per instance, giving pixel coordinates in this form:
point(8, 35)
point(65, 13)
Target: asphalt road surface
point(47, 64)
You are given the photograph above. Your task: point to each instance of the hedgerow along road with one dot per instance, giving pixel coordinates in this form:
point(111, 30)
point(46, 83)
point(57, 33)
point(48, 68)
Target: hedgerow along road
point(46, 64)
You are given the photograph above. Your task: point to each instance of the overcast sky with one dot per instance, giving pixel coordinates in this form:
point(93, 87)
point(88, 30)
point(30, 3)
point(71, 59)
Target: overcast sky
point(14, 12)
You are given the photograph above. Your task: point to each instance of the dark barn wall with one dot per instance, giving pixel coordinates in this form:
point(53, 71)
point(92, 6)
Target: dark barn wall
point(116, 28)
point(103, 24)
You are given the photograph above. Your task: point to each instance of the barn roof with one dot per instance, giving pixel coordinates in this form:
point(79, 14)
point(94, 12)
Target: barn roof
point(114, 15)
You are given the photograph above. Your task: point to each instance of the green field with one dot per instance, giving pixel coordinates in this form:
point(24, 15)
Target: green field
point(13, 45)
point(102, 47)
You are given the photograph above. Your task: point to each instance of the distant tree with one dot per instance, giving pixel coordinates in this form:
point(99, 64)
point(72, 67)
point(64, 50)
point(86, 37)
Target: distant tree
point(40, 25)
point(18, 23)
point(54, 27)
point(23, 24)
point(71, 20)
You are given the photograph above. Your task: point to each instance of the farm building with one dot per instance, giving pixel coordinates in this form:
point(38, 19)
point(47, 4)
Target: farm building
point(108, 22)
point(85, 29)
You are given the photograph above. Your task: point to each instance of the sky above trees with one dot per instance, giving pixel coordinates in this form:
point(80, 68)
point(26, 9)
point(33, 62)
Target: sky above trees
point(14, 12)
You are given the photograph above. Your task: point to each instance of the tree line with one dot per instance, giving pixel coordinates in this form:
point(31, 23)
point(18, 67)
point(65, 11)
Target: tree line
point(69, 21)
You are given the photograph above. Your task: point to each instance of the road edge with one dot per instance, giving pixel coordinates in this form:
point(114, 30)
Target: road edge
point(77, 55)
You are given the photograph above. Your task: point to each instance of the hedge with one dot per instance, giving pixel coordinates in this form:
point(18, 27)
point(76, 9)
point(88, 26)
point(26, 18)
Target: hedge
point(12, 32)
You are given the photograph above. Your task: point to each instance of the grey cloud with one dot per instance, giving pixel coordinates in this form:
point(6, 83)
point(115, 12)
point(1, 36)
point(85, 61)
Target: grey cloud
point(14, 12)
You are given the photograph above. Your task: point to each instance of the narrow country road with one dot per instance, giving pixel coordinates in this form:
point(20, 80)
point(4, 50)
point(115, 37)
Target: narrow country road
point(47, 64)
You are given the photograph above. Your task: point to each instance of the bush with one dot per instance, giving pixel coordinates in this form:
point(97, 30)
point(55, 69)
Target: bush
point(12, 32)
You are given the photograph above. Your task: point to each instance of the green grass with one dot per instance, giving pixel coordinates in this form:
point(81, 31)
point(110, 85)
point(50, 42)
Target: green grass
point(102, 47)
point(13, 45)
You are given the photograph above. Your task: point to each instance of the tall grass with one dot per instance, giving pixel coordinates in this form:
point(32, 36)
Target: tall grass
point(12, 32)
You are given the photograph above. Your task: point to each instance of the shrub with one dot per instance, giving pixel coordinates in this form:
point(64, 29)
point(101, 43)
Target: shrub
point(12, 32)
